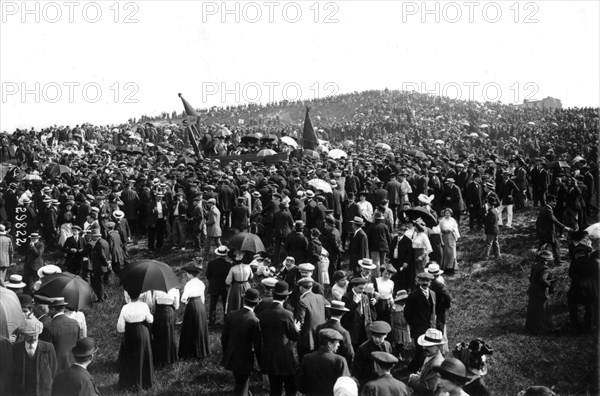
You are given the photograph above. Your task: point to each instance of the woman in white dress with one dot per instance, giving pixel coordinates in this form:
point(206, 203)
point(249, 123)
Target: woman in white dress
point(384, 286)
point(450, 234)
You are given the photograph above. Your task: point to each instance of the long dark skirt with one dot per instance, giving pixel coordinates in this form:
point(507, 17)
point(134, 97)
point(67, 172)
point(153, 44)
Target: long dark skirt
point(163, 335)
point(136, 369)
point(193, 341)
point(436, 246)
point(539, 316)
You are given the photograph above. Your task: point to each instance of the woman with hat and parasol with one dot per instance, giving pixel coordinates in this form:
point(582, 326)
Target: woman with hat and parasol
point(193, 340)
point(539, 316)
point(136, 367)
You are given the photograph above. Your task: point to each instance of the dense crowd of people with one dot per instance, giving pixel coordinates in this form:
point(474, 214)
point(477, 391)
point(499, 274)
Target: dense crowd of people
point(349, 286)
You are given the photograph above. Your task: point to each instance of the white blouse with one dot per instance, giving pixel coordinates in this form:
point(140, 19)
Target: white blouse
point(421, 241)
point(385, 288)
point(170, 298)
point(80, 318)
point(449, 225)
point(366, 209)
point(194, 288)
point(134, 312)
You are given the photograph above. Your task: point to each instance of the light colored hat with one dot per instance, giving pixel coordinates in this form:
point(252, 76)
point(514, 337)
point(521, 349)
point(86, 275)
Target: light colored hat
point(212, 201)
point(306, 267)
point(426, 199)
point(434, 269)
point(2, 229)
point(367, 263)
point(15, 282)
point(345, 386)
point(31, 326)
point(269, 282)
point(401, 295)
point(118, 214)
point(432, 337)
point(48, 270)
point(339, 306)
point(310, 194)
point(222, 250)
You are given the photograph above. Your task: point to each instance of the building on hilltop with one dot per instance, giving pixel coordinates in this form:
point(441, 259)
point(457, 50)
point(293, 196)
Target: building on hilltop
point(548, 103)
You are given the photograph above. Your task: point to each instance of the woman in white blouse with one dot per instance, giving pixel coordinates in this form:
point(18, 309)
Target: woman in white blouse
point(163, 330)
point(421, 245)
point(365, 207)
point(193, 339)
point(238, 281)
point(450, 235)
point(136, 368)
point(384, 286)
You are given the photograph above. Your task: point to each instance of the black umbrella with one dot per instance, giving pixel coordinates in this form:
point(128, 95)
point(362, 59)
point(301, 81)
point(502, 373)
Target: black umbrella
point(246, 241)
point(77, 292)
point(423, 214)
point(250, 138)
point(147, 275)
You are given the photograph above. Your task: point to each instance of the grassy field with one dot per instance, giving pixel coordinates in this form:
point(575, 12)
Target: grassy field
point(489, 302)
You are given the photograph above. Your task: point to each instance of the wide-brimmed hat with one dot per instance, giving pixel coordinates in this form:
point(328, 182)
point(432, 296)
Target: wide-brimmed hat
point(546, 255)
point(85, 347)
point(31, 326)
point(401, 295)
point(48, 270)
point(15, 282)
point(358, 221)
point(378, 216)
point(34, 235)
point(251, 296)
point(2, 229)
point(367, 263)
point(222, 250)
point(192, 269)
point(432, 337)
point(310, 194)
point(338, 306)
point(118, 214)
point(282, 289)
point(434, 269)
point(453, 369)
point(449, 180)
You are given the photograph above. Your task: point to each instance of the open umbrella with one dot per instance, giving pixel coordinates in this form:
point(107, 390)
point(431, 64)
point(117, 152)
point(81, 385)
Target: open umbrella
point(577, 159)
point(322, 149)
point(348, 143)
point(141, 276)
point(266, 153)
point(311, 154)
point(270, 138)
point(439, 141)
point(483, 126)
point(253, 138)
point(224, 132)
point(593, 231)
point(531, 123)
point(320, 184)
point(289, 141)
point(245, 241)
point(108, 146)
point(422, 213)
point(185, 161)
point(383, 146)
point(337, 154)
point(32, 176)
point(57, 170)
point(77, 292)
point(473, 134)
point(417, 154)
point(11, 315)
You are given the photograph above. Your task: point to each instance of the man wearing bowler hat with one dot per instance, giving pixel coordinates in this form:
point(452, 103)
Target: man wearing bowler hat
point(337, 309)
point(320, 369)
point(419, 313)
point(359, 244)
point(362, 368)
point(62, 332)
point(34, 361)
point(76, 380)
point(278, 333)
point(384, 384)
point(241, 341)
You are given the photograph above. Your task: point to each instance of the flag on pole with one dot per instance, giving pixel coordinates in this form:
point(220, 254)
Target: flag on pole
point(189, 109)
point(309, 138)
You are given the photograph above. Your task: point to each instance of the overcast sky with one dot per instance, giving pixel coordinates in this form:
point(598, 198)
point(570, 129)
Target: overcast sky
point(504, 51)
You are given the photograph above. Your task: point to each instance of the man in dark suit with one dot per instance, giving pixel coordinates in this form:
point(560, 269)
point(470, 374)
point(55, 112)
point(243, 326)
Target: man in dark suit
point(296, 244)
point(309, 313)
point(474, 202)
point(539, 183)
point(359, 317)
point(362, 368)
point(350, 210)
point(76, 380)
point(309, 208)
point(278, 332)
point(100, 260)
point(320, 369)
point(380, 240)
point(384, 384)
point(336, 310)
point(131, 203)
point(394, 193)
point(178, 217)
point(73, 248)
point(507, 190)
point(419, 313)
point(402, 258)
point(452, 198)
point(241, 342)
point(358, 247)
point(283, 222)
point(34, 361)
point(216, 273)
point(156, 221)
point(62, 332)
point(332, 242)
point(546, 225)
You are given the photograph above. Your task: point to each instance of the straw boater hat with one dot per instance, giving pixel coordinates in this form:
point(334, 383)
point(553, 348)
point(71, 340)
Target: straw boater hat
point(367, 263)
point(118, 214)
point(222, 250)
point(432, 337)
point(338, 306)
point(358, 221)
point(31, 326)
point(48, 270)
point(401, 295)
point(15, 282)
point(434, 269)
